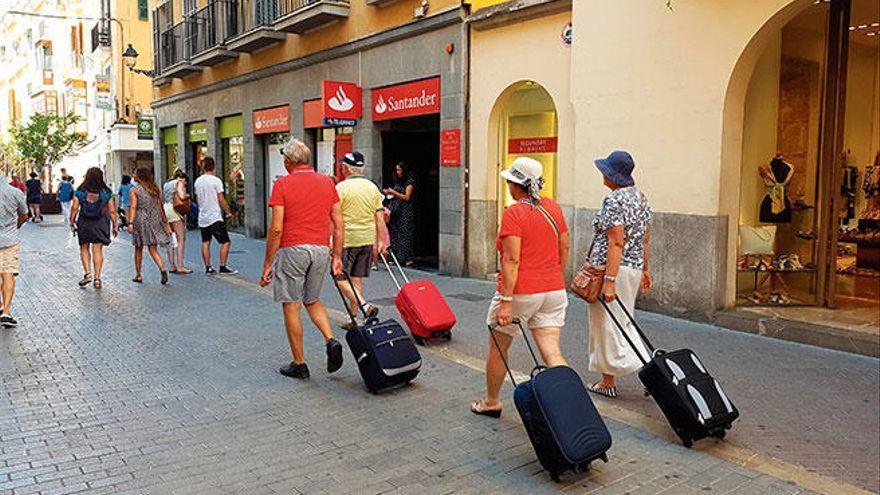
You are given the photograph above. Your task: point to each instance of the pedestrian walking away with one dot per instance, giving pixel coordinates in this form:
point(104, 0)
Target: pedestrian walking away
point(533, 243)
point(403, 214)
point(34, 197)
point(177, 198)
point(621, 235)
point(363, 216)
point(13, 214)
point(304, 205)
point(212, 207)
point(147, 223)
point(93, 218)
point(124, 199)
point(65, 196)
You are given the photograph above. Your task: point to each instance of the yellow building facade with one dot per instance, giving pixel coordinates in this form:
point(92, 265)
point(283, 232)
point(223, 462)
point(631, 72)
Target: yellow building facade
point(235, 80)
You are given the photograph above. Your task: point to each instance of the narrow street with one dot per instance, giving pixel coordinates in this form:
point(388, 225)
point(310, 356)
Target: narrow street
point(151, 389)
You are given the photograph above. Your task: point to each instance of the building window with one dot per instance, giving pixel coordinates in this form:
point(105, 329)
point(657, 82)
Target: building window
point(143, 13)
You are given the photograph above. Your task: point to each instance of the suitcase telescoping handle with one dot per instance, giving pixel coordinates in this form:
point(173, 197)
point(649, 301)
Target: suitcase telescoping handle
point(391, 272)
point(623, 331)
point(538, 366)
point(345, 300)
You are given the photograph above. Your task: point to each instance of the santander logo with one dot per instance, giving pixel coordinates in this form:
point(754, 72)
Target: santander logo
point(340, 101)
point(381, 107)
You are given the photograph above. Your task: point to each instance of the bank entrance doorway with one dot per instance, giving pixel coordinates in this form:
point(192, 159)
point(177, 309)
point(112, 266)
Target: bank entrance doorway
point(413, 142)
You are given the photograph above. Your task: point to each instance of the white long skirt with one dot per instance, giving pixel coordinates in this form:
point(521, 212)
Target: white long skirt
point(610, 354)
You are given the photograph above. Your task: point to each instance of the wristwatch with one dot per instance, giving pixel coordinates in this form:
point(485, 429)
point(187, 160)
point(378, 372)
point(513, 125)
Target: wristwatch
point(505, 298)
point(610, 278)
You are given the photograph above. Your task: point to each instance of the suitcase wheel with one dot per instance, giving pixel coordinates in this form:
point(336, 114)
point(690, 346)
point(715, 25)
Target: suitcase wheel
point(604, 458)
point(419, 340)
point(554, 477)
point(448, 336)
point(687, 442)
point(720, 434)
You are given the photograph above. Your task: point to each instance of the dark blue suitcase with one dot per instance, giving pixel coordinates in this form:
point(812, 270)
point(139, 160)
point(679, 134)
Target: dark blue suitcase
point(563, 425)
point(385, 353)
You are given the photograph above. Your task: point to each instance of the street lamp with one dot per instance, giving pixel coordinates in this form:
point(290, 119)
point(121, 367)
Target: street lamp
point(129, 57)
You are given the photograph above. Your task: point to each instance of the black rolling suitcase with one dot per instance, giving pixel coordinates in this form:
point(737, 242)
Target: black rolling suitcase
point(563, 425)
point(691, 399)
point(385, 354)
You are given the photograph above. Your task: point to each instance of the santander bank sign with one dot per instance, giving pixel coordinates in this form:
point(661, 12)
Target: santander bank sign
point(406, 100)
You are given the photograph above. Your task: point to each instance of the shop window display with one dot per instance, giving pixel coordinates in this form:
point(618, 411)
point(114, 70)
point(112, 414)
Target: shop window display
point(785, 203)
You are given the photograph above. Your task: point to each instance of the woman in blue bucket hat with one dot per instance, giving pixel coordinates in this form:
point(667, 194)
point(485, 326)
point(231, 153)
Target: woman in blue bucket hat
point(621, 231)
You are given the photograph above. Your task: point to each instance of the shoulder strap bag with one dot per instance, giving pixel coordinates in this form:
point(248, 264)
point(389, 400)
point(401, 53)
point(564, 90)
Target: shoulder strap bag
point(180, 205)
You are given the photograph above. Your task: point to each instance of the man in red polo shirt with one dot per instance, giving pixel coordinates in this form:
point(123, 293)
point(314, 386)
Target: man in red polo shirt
point(304, 204)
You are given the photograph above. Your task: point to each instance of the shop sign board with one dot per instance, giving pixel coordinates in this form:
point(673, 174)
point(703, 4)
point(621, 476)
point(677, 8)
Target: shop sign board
point(145, 128)
point(528, 146)
point(271, 120)
point(103, 99)
point(197, 132)
point(341, 102)
point(450, 147)
point(406, 100)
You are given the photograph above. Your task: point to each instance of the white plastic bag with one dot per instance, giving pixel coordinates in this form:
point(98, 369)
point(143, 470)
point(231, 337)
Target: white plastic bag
point(173, 244)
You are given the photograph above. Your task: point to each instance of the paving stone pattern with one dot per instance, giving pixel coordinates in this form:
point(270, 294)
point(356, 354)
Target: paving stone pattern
point(151, 389)
point(809, 406)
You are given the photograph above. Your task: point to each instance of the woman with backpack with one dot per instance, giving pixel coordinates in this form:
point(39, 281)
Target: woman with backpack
point(147, 223)
point(93, 217)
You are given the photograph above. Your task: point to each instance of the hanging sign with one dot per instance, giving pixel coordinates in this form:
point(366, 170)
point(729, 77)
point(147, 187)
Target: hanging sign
point(103, 99)
point(407, 100)
point(145, 128)
point(341, 103)
point(450, 147)
point(528, 146)
point(272, 120)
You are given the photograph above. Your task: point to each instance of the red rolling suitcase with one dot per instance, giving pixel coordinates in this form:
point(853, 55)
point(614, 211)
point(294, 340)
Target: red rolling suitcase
point(421, 306)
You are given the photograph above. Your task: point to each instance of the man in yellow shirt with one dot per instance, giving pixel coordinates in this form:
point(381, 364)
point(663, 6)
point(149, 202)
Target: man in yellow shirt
point(362, 215)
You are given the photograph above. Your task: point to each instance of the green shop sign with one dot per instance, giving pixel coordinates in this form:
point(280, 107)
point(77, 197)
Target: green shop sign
point(197, 133)
point(145, 128)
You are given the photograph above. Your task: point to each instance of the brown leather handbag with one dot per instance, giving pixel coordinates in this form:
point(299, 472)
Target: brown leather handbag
point(587, 282)
point(181, 205)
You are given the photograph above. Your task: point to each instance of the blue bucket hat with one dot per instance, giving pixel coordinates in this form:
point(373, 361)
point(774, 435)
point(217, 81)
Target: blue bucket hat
point(618, 167)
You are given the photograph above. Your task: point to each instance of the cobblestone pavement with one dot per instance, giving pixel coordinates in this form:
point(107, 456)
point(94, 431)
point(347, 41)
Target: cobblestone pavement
point(811, 407)
point(151, 389)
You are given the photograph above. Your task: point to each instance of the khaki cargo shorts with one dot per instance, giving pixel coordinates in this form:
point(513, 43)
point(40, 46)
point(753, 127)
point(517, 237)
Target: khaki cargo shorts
point(299, 273)
point(10, 259)
point(541, 310)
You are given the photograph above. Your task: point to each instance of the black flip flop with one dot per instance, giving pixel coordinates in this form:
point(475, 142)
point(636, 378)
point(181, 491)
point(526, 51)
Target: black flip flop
point(492, 413)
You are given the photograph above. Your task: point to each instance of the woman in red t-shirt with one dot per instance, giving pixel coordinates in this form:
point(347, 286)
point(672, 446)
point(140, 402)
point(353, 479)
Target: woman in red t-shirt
point(533, 243)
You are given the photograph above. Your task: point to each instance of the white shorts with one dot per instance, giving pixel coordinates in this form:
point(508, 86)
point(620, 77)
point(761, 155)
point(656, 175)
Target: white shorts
point(171, 214)
point(541, 310)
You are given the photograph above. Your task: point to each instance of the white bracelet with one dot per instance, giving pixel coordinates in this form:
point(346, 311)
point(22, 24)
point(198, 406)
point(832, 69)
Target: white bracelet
point(610, 278)
point(505, 298)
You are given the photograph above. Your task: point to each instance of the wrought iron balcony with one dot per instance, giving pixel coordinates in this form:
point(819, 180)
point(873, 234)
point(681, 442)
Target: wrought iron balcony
point(299, 16)
point(175, 49)
point(210, 27)
point(254, 22)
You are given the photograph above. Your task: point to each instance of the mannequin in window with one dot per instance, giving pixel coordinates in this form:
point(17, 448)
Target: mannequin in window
point(776, 207)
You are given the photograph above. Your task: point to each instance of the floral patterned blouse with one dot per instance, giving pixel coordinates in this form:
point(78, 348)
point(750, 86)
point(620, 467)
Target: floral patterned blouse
point(626, 206)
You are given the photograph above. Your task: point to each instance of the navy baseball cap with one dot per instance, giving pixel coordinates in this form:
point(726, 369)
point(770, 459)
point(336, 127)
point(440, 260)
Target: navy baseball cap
point(353, 159)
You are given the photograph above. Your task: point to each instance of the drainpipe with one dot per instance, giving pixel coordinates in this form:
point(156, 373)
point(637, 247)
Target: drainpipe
point(466, 132)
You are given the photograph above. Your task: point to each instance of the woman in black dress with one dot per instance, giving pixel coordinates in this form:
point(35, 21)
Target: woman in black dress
point(403, 214)
point(34, 197)
point(93, 216)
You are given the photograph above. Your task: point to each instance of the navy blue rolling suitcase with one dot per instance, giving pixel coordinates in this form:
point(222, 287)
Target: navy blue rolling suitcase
point(691, 399)
point(385, 353)
point(563, 425)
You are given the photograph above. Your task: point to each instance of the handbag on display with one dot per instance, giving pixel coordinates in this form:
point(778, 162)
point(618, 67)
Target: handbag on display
point(757, 240)
point(587, 282)
point(181, 205)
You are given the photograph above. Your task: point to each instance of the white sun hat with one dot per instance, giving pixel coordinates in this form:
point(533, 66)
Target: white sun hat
point(524, 171)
